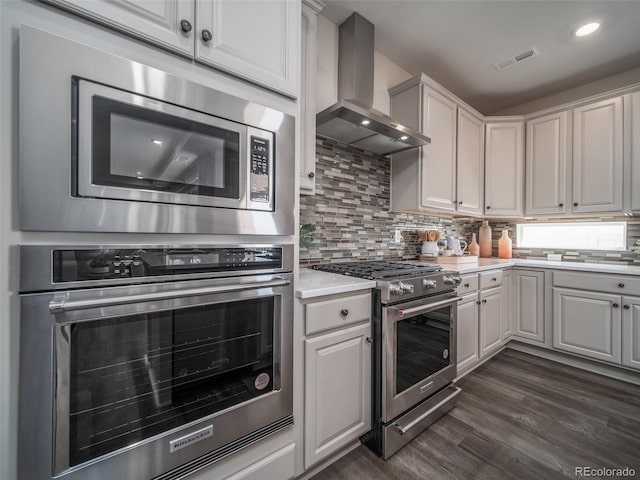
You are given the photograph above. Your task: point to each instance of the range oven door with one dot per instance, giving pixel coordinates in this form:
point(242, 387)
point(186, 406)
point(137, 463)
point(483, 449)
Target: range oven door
point(132, 147)
point(133, 382)
point(419, 351)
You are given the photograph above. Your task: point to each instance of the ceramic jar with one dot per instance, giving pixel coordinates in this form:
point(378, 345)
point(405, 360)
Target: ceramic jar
point(504, 245)
point(485, 239)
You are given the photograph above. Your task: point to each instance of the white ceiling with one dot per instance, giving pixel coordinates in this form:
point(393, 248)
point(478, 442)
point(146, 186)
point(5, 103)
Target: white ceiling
point(457, 42)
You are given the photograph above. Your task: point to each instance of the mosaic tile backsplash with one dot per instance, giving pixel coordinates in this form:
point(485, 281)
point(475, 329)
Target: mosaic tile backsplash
point(350, 211)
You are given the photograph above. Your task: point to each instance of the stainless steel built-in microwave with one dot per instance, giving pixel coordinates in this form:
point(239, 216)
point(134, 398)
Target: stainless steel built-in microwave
point(108, 144)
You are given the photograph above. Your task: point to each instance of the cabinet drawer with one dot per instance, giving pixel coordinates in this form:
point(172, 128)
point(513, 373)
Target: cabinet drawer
point(468, 284)
point(337, 312)
point(619, 284)
point(490, 279)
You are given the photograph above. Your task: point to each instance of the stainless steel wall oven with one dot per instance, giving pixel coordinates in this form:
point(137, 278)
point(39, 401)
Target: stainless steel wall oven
point(108, 144)
point(151, 362)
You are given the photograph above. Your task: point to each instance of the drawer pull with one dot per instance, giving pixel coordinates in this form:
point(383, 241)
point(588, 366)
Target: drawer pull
point(466, 285)
point(369, 340)
point(484, 300)
point(575, 204)
point(561, 205)
point(621, 285)
point(626, 307)
point(494, 279)
point(615, 305)
point(478, 302)
point(344, 312)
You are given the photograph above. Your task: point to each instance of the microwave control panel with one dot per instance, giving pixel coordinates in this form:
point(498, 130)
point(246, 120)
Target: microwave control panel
point(260, 160)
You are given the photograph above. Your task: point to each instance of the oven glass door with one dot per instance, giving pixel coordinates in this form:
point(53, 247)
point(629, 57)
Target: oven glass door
point(122, 379)
point(132, 147)
point(420, 357)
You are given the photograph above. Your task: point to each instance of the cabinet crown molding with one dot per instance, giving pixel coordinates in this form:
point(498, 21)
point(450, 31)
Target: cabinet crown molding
point(316, 5)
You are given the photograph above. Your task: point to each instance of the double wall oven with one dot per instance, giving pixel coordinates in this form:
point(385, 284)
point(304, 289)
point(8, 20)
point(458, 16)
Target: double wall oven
point(108, 144)
point(414, 348)
point(151, 362)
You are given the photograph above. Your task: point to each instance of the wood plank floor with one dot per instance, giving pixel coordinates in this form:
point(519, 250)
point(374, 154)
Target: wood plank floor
point(520, 417)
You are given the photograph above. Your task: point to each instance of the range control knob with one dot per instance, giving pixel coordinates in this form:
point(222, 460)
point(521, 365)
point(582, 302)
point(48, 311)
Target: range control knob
point(406, 287)
point(429, 283)
point(451, 279)
point(394, 289)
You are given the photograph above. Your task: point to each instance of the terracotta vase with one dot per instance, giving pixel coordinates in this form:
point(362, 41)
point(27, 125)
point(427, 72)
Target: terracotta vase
point(504, 245)
point(474, 248)
point(485, 239)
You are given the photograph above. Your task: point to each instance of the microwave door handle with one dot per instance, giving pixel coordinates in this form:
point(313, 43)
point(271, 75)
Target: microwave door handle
point(403, 312)
point(60, 304)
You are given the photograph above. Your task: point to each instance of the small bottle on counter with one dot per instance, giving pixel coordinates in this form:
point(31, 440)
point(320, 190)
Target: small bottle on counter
point(485, 239)
point(504, 245)
point(474, 248)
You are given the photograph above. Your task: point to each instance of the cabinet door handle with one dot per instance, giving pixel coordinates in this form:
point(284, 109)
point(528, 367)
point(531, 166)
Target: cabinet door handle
point(615, 305)
point(621, 285)
point(626, 307)
point(466, 285)
point(494, 279)
point(488, 207)
point(484, 300)
point(207, 36)
point(185, 25)
point(344, 312)
point(369, 340)
point(311, 175)
point(561, 205)
point(478, 303)
point(459, 203)
point(575, 204)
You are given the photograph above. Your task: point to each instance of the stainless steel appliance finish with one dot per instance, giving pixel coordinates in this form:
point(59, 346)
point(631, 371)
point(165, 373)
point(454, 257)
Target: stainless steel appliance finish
point(353, 120)
point(414, 351)
point(244, 186)
point(182, 373)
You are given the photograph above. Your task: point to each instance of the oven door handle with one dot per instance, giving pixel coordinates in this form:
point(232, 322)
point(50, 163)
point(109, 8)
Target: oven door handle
point(403, 312)
point(61, 304)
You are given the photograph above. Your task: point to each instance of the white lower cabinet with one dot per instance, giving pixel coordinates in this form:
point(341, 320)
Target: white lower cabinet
point(467, 352)
point(631, 332)
point(337, 385)
point(490, 320)
point(587, 323)
point(528, 305)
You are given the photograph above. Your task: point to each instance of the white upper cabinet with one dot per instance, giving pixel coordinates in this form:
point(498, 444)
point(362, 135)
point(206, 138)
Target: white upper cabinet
point(635, 151)
point(597, 157)
point(504, 169)
point(258, 40)
point(546, 165)
point(470, 165)
point(169, 23)
point(439, 157)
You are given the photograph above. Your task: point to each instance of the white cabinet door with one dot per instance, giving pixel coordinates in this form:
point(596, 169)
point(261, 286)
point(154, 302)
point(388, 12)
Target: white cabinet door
point(507, 329)
point(156, 21)
point(504, 169)
point(490, 320)
point(307, 101)
point(587, 323)
point(635, 152)
point(546, 165)
point(438, 187)
point(467, 353)
point(470, 165)
point(528, 304)
point(337, 391)
point(254, 39)
point(631, 332)
point(597, 157)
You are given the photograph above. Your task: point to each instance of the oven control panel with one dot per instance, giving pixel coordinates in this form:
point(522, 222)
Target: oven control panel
point(413, 287)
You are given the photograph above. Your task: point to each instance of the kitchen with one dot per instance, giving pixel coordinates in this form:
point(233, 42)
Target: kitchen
point(358, 214)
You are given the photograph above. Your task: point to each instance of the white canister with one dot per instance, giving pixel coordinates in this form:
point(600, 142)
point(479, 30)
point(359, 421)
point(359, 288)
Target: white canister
point(430, 249)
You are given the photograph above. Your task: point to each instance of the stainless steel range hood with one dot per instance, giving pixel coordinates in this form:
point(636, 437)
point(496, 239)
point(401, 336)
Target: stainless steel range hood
point(353, 120)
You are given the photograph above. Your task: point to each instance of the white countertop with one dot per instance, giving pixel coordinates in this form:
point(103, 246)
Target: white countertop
point(314, 283)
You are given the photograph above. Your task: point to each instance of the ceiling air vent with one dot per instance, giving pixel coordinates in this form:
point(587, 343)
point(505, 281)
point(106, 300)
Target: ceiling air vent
point(520, 57)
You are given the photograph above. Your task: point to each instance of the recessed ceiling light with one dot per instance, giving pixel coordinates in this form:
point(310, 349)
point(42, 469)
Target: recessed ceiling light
point(587, 29)
point(155, 141)
point(365, 122)
point(404, 137)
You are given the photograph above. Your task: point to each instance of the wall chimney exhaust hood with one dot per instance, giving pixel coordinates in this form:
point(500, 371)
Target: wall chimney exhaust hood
point(353, 120)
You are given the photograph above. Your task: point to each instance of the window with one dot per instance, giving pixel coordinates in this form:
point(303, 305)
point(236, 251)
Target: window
point(574, 236)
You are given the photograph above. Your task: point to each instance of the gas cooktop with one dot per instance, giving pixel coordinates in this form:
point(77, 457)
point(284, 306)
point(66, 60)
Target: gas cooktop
point(377, 270)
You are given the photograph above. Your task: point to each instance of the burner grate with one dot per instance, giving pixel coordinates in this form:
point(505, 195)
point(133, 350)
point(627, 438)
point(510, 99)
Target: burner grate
point(378, 269)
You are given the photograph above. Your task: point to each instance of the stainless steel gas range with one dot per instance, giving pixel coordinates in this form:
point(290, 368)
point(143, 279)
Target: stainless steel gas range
point(414, 359)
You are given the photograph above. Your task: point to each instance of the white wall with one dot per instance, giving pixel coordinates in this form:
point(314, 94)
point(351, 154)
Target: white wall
point(386, 74)
point(583, 91)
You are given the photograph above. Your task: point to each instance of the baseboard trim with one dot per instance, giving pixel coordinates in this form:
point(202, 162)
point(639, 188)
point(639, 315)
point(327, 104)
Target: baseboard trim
point(328, 461)
point(619, 373)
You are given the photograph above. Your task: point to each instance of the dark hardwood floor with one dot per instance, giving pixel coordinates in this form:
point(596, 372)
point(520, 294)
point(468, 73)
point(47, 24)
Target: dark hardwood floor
point(519, 417)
